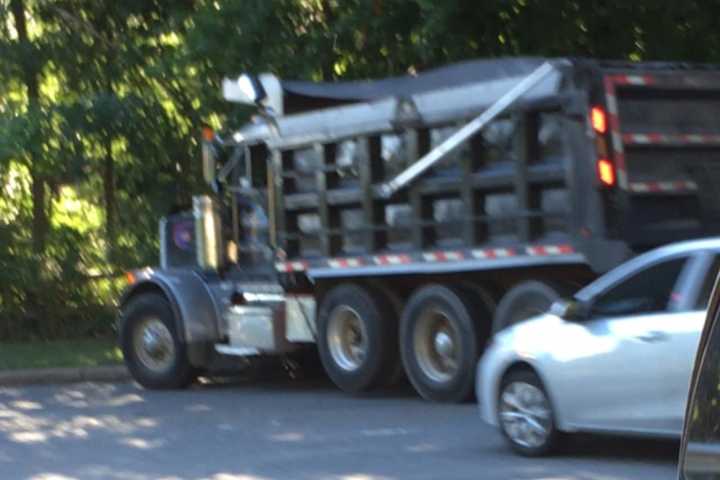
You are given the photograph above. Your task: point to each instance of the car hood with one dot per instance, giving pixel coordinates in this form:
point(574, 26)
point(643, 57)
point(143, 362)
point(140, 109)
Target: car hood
point(548, 337)
point(531, 328)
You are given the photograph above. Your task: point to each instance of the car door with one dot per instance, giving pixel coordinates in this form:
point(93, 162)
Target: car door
point(683, 333)
point(616, 384)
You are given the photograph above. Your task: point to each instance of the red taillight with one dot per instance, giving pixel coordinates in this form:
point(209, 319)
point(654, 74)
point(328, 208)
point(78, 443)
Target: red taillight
point(606, 172)
point(598, 120)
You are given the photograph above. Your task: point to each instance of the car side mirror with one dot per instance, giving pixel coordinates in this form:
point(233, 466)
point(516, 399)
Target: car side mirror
point(570, 309)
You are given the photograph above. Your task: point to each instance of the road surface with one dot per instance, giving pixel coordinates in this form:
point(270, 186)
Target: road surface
point(280, 430)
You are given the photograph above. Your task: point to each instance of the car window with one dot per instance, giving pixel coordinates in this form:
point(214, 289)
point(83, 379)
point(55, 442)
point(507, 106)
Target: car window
point(707, 285)
point(701, 453)
point(647, 291)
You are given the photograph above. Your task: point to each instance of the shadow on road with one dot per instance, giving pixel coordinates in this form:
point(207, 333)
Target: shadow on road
point(622, 448)
point(275, 379)
point(278, 427)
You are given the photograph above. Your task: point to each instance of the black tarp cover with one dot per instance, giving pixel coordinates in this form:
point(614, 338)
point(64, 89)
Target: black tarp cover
point(301, 95)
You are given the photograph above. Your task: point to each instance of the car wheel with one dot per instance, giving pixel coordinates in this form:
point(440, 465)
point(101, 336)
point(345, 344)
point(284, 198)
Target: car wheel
point(525, 414)
point(153, 353)
point(357, 334)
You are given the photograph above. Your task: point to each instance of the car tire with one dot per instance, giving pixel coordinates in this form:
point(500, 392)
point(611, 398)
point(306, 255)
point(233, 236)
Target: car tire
point(357, 338)
point(440, 342)
point(526, 300)
point(153, 352)
point(525, 414)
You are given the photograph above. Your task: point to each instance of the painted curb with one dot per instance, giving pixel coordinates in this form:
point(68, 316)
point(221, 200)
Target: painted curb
point(113, 373)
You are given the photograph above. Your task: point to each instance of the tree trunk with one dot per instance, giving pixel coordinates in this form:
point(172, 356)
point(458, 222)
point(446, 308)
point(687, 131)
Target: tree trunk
point(30, 78)
point(108, 176)
point(40, 218)
point(328, 65)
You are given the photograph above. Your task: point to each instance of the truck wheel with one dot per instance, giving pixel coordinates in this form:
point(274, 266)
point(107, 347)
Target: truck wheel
point(153, 353)
point(357, 335)
point(526, 300)
point(440, 343)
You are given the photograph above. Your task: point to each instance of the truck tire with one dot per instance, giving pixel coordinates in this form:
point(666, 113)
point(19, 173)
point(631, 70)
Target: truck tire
point(153, 353)
point(526, 300)
point(440, 342)
point(357, 337)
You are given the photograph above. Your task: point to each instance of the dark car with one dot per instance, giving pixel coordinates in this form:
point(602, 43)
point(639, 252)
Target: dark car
point(700, 450)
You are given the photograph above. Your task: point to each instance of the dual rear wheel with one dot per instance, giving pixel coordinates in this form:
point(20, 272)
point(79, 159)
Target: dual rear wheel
point(357, 332)
point(437, 338)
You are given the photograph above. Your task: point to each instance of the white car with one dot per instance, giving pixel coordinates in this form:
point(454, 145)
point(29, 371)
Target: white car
point(617, 358)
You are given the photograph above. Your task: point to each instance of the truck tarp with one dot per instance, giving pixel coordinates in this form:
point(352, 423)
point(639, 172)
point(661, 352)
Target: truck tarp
point(301, 95)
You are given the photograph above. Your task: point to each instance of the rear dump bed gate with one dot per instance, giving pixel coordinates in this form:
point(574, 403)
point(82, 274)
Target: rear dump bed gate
point(665, 135)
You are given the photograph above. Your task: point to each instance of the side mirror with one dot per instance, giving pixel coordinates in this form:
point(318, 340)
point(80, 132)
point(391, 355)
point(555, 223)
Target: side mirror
point(244, 89)
point(263, 91)
point(568, 309)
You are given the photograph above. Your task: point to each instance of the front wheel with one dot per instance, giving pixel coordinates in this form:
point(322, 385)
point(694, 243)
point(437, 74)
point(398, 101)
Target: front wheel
point(525, 414)
point(153, 353)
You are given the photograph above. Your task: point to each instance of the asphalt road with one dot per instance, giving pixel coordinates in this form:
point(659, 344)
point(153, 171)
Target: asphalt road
point(280, 430)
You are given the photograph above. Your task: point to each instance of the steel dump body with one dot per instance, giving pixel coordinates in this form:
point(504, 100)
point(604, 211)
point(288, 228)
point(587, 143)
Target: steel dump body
point(523, 191)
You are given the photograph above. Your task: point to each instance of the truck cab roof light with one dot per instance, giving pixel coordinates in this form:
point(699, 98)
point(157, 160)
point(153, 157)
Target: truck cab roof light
point(598, 120)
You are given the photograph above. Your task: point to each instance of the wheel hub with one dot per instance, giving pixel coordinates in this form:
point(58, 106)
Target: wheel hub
point(347, 338)
point(153, 345)
point(443, 344)
point(525, 414)
point(434, 342)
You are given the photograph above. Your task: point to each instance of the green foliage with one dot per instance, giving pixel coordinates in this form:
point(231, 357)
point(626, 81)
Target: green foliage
point(101, 103)
point(64, 353)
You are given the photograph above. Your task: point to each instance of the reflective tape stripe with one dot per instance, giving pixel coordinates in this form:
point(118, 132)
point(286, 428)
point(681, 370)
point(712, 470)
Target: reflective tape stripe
point(546, 250)
point(659, 138)
point(441, 256)
point(676, 186)
point(493, 253)
point(451, 256)
point(291, 266)
point(633, 79)
point(391, 259)
point(345, 262)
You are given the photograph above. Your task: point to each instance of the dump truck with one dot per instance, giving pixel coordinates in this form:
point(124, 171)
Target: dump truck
point(394, 225)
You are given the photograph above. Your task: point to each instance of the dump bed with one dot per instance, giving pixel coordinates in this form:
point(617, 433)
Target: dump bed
point(597, 162)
